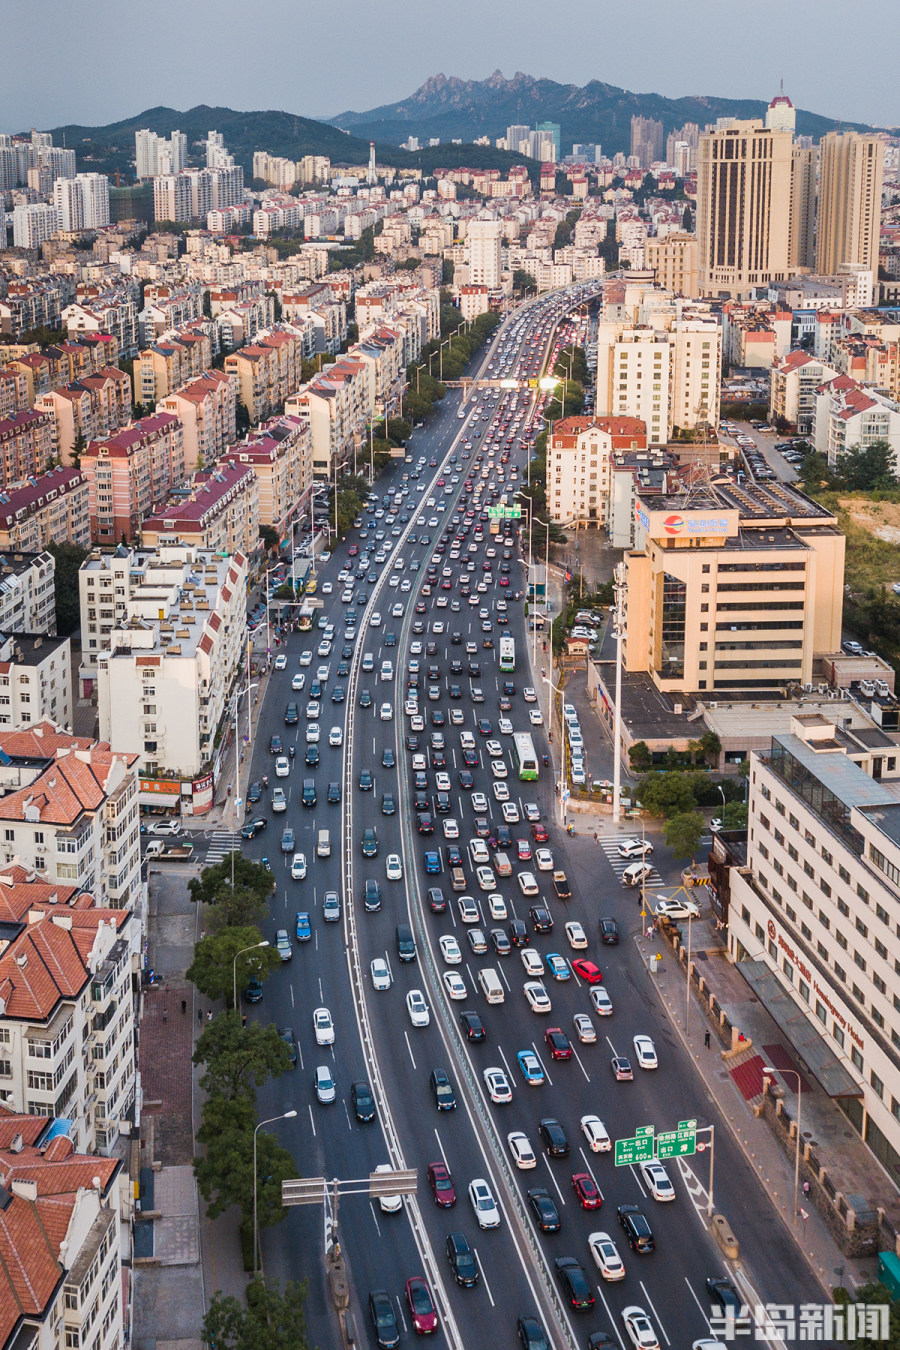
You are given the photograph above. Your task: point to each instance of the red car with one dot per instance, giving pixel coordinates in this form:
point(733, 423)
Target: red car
point(559, 1043)
point(587, 970)
point(353, 550)
point(441, 1183)
point(584, 1187)
point(523, 850)
point(421, 1306)
point(539, 832)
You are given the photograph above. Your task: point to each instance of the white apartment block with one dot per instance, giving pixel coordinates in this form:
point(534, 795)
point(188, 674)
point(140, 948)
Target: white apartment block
point(155, 154)
point(105, 583)
point(82, 203)
point(580, 464)
point(33, 223)
point(483, 239)
point(793, 383)
point(813, 917)
point(35, 681)
point(166, 675)
point(193, 193)
point(27, 593)
point(847, 415)
point(665, 377)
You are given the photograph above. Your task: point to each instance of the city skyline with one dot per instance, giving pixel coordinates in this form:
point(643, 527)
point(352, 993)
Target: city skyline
point(697, 32)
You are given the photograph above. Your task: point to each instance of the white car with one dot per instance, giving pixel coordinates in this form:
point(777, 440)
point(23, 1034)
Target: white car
point(657, 1181)
point(389, 1204)
point(450, 950)
point(397, 611)
point(486, 879)
point(538, 999)
point(596, 1134)
point(634, 848)
point(529, 695)
point(442, 782)
point(312, 711)
point(298, 682)
point(527, 884)
point(543, 859)
point(415, 648)
point(487, 1214)
point(606, 1256)
point(521, 1150)
point(381, 973)
point(640, 1329)
point(501, 791)
point(468, 909)
point(585, 1029)
point(677, 909)
point(417, 722)
point(494, 749)
point(386, 712)
point(497, 1084)
point(417, 1008)
point(306, 658)
point(325, 1088)
point(279, 800)
point(451, 828)
point(510, 813)
point(336, 737)
point(479, 803)
point(645, 1052)
point(393, 867)
point(323, 1026)
point(312, 733)
point(497, 907)
point(576, 935)
point(375, 620)
point(298, 867)
point(535, 717)
point(601, 1001)
point(636, 873)
point(532, 961)
point(281, 661)
point(282, 767)
point(455, 985)
point(499, 768)
point(505, 726)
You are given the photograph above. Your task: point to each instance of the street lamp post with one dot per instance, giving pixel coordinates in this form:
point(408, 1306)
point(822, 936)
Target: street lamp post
point(252, 948)
point(770, 1073)
point(563, 786)
point(619, 633)
point(286, 1115)
point(238, 800)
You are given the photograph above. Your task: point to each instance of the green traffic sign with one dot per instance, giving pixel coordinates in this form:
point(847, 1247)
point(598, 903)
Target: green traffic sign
point(677, 1143)
point(637, 1149)
point(504, 512)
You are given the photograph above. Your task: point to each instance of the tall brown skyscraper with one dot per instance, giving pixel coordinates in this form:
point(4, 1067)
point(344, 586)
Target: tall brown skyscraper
point(849, 217)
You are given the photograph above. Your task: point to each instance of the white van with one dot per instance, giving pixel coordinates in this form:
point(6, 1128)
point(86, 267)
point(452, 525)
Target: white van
point(491, 986)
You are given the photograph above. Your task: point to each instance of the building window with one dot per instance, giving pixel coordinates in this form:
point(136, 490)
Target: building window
point(857, 1058)
point(673, 607)
point(804, 990)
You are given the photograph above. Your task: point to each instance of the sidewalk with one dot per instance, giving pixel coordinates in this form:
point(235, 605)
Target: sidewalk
point(734, 1081)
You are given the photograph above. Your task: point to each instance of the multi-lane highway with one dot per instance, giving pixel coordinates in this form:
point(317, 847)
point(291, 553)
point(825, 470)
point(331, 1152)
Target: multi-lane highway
point(444, 635)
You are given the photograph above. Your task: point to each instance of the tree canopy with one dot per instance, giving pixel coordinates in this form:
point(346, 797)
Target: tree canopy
point(212, 969)
point(271, 1320)
point(206, 889)
point(683, 833)
point(238, 1059)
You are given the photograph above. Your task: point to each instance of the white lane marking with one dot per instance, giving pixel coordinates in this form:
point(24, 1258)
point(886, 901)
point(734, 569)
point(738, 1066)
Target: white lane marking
point(562, 1198)
point(291, 987)
point(409, 1048)
point(505, 1062)
point(504, 979)
point(537, 1054)
point(484, 1277)
point(703, 1312)
point(441, 1147)
point(634, 1172)
point(347, 1114)
point(312, 1121)
point(612, 1320)
point(655, 1313)
point(375, 1219)
point(591, 1171)
point(580, 1065)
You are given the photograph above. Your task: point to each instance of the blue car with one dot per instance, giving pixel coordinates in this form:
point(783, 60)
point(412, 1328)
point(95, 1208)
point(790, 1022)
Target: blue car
point(558, 965)
point(432, 863)
point(531, 1067)
point(303, 931)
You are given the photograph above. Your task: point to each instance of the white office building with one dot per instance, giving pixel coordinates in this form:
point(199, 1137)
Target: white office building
point(483, 238)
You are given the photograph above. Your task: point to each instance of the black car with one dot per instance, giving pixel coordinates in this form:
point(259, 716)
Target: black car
point(573, 1280)
point(554, 1137)
point(518, 933)
point(436, 900)
point(254, 792)
point(425, 823)
point(254, 827)
point(470, 759)
point(412, 743)
point(609, 932)
point(387, 804)
point(384, 1321)
point(545, 1212)
point(466, 780)
point(292, 715)
point(337, 694)
point(503, 836)
point(637, 1229)
point(365, 699)
point(334, 793)
point(474, 669)
point(420, 780)
point(442, 1089)
point(275, 746)
point(454, 855)
point(372, 895)
point(455, 639)
point(541, 919)
point(601, 1340)
point(462, 1260)
point(473, 1026)
point(387, 759)
point(362, 1101)
point(723, 1292)
point(531, 1334)
point(312, 755)
point(442, 803)
point(254, 991)
point(366, 780)
point(287, 1035)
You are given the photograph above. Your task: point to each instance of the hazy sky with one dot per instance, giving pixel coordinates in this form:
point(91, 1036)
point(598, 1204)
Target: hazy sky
point(109, 59)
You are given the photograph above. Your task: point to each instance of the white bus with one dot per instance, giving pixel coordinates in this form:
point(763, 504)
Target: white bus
point(507, 653)
point(526, 757)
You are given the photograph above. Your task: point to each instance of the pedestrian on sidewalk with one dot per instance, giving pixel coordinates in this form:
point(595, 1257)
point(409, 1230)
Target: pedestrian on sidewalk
point(200, 1015)
point(706, 1039)
point(209, 1014)
point(596, 837)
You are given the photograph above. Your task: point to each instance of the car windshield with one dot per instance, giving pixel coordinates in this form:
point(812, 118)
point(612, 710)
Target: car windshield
point(419, 1298)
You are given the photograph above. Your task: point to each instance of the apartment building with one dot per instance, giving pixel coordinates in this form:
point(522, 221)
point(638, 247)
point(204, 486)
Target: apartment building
point(267, 371)
point(847, 416)
point(60, 364)
point(172, 309)
point(33, 224)
point(579, 465)
point(82, 202)
point(70, 813)
point(27, 593)
point(90, 408)
point(848, 226)
point(733, 588)
point(26, 446)
point(53, 509)
point(220, 515)
point(793, 382)
point(105, 582)
point(35, 681)
point(207, 411)
point(192, 193)
point(131, 474)
point(164, 680)
point(811, 918)
point(106, 313)
point(159, 154)
point(743, 208)
point(753, 335)
point(674, 258)
point(483, 240)
point(172, 361)
point(280, 454)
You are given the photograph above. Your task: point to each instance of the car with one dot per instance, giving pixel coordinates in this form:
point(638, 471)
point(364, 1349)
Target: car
point(527, 884)
point(463, 1262)
point(302, 928)
point(558, 1043)
point(298, 867)
point(468, 909)
point(479, 803)
point(609, 932)
point(601, 1001)
point(497, 906)
point(606, 1256)
point(636, 873)
point(477, 941)
point(535, 717)
point(587, 970)
point(584, 1029)
point(323, 1026)
point(634, 848)
point(723, 1292)
point(369, 843)
point(281, 661)
point(637, 1229)
point(442, 1090)
point(558, 966)
point(432, 862)
point(585, 1187)
point(473, 1027)
point(362, 1101)
point(541, 918)
point(639, 1328)
point(487, 1213)
point(421, 1306)
point(532, 812)
point(544, 860)
point(450, 949)
point(371, 895)
point(539, 832)
point(522, 1153)
point(486, 878)
point(417, 1008)
point(537, 996)
point(451, 828)
point(383, 1317)
point(529, 695)
point(576, 935)
point(574, 1283)
point(283, 945)
point(381, 973)
point(455, 985)
point(331, 907)
point(441, 1183)
point(306, 658)
point(253, 827)
point(393, 867)
point(287, 1035)
point(677, 909)
point(287, 840)
point(497, 1084)
point(326, 1090)
point(645, 1052)
point(532, 961)
point(254, 991)
point(622, 1070)
point(657, 1180)
point(531, 1067)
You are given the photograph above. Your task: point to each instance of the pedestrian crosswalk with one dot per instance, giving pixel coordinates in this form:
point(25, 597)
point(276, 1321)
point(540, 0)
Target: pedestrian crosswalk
point(610, 847)
point(221, 843)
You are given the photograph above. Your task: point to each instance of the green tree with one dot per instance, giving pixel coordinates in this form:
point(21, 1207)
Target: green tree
point(711, 747)
point(239, 908)
point(239, 1059)
point(398, 430)
point(269, 535)
point(271, 1320)
point(523, 281)
point(868, 468)
point(639, 757)
point(734, 816)
point(212, 969)
point(687, 220)
point(815, 474)
point(69, 558)
point(205, 889)
point(873, 1293)
point(224, 1170)
point(447, 270)
point(666, 794)
point(683, 833)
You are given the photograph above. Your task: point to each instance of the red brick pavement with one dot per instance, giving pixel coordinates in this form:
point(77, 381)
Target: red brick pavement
point(166, 1048)
point(748, 1077)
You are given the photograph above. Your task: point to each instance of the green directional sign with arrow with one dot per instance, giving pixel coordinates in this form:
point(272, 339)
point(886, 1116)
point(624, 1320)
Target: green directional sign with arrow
point(639, 1148)
point(677, 1143)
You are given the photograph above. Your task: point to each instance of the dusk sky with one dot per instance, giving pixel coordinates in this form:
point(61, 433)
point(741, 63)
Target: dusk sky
point(109, 60)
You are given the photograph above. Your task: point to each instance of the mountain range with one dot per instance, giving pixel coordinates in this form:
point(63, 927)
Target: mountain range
point(597, 113)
